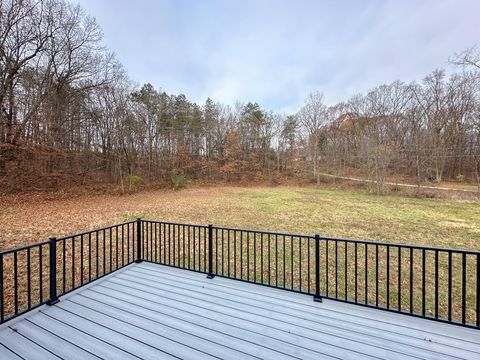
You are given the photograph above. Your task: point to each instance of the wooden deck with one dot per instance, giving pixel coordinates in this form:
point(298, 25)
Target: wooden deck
point(148, 311)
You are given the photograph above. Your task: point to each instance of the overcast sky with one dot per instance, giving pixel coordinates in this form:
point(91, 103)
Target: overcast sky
point(276, 52)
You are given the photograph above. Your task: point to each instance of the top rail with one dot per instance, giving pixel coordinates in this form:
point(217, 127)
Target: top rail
point(305, 236)
point(26, 247)
point(94, 230)
point(405, 246)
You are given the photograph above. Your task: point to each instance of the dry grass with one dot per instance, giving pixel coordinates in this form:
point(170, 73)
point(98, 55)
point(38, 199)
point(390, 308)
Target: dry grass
point(330, 212)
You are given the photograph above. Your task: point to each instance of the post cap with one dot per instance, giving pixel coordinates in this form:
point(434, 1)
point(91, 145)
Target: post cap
point(52, 239)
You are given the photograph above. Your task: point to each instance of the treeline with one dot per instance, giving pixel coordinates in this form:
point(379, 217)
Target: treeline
point(70, 115)
point(428, 131)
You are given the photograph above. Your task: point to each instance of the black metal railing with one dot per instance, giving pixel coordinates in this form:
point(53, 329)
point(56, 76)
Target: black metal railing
point(38, 274)
point(434, 283)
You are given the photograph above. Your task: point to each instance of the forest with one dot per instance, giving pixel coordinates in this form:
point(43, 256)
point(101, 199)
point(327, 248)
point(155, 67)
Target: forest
point(71, 116)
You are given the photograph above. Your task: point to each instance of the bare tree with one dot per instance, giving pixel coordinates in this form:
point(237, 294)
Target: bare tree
point(313, 118)
point(468, 58)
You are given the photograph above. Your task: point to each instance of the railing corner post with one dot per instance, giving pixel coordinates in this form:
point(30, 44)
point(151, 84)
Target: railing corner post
point(317, 296)
point(139, 258)
point(53, 271)
point(210, 252)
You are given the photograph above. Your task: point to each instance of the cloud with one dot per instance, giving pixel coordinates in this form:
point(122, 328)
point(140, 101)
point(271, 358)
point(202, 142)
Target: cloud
point(276, 52)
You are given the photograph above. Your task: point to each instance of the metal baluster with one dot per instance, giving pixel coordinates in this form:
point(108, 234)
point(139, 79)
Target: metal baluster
point(436, 284)
point(308, 261)
point(2, 304)
point(388, 277)
point(276, 260)
point(423, 282)
point(64, 265)
point(326, 267)
point(261, 257)
point(40, 273)
point(110, 247)
point(89, 257)
point(366, 273)
point(15, 280)
point(284, 280)
point(356, 272)
point(336, 269)
point(29, 295)
point(449, 286)
point(81, 260)
point(376, 275)
point(464, 286)
point(477, 292)
point(346, 270)
point(399, 279)
point(411, 280)
point(248, 256)
point(73, 262)
point(291, 261)
point(300, 261)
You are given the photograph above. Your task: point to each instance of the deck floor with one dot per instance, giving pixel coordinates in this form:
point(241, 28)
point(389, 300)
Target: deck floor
point(149, 311)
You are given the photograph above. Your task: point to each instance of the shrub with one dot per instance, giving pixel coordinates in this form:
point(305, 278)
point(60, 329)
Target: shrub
point(177, 180)
point(133, 181)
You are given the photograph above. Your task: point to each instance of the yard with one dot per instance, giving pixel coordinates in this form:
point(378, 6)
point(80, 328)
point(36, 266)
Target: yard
point(26, 219)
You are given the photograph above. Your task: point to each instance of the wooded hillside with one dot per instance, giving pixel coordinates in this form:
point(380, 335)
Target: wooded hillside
point(71, 116)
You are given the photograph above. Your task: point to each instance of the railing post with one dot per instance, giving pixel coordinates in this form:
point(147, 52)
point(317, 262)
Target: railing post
point(210, 252)
point(317, 296)
point(53, 271)
point(139, 258)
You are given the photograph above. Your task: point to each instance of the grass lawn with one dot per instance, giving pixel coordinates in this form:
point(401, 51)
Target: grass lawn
point(305, 210)
point(329, 212)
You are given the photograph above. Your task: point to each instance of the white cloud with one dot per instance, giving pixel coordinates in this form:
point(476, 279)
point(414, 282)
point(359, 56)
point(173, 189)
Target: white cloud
point(276, 52)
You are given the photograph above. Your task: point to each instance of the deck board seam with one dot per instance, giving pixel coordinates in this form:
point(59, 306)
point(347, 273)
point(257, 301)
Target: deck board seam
point(192, 335)
point(87, 334)
point(186, 276)
point(316, 322)
point(141, 316)
point(311, 306)
point(213, 320)
point(118, 332)
point(343, 313)
point(34, 342)
point(309, 329)
point(13, 352)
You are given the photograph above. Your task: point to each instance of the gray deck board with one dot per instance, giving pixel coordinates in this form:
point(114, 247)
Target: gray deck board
point(7, 354)
point(362, 332)
point(23, 347)
point(148, 311)
point(289, 321)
